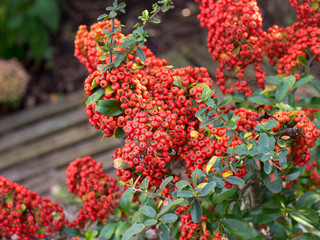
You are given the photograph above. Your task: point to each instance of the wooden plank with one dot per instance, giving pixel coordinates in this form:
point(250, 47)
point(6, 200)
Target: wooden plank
point(56, 141)
point(29, 116)
point(44, 128)
point(44, 181)
point(59, 159)
point(175, 59)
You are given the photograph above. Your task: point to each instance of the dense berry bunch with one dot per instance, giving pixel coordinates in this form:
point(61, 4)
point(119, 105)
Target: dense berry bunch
point(100, 193)
point(306, 11)
point(286, 44)
point(234, 40)
point(25, 214)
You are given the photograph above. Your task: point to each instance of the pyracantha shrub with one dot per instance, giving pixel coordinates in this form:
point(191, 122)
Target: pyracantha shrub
point(26, 214)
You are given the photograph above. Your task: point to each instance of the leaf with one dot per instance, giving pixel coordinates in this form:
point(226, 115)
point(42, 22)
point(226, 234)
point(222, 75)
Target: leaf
point(196, 211)
point(133, 230)
point(316, 85)
point(223, 195)
point(274, 185)
point(169, 218)
point(150, 222)
point(70, 232)
point(284, 86)
point(91, 235)
point(267, 167)
point(208, 189)
point(309, 102)
point(307, 199)
point(200, 114)
point(211, 163)
point(119, 163)
point(278, 230)
point(109, 107)
point(225, 101)
point(170, 205)
point(195, 175)
point(185, 194)
point(95, 96)
point(260, 99)
point(266, 215)
point(273, 80)
point(148, 211)
point(108, 230)
point(125, 201)
point(207, 122)
point(102, 16)
point(315, 5)
point(144, 184)
point(121, 229)
point(164, 232)
point(119, 59)
point(166, 182)
point(235, 180)
point(293, 174)
point(271, 123)
point(119, 133)
point(303, 61)
point(141, 54)
point(239, 228)
point(302, 81)
point(156, 20)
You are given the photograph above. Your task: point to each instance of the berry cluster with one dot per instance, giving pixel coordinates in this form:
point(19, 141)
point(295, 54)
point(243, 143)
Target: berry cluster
point(234, 40)
point(196, 231)
point(27, 215)
point(99, 193)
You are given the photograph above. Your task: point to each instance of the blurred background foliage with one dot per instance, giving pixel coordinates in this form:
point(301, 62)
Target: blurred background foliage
point(26, 27)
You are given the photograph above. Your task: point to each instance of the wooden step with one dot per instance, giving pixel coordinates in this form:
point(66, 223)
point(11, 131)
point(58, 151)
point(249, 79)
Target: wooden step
point(43, 111)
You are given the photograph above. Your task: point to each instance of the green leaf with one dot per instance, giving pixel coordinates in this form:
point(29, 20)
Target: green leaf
point(316, 85)
point(95, 96)
point(170, 205)
point(182, 184)
point(119, 133)
point(109, 107)
point(274, 185)
point(141, 54)
point(164, 232)
point(260, 99)
point(119, 59)
point(133, 230)
point(200, 114)
point(265, 215)
point(150, 222)
point(278, 230)
point(70, 232)
point(223, 195)
point(267, 167)
point(144, 184)
point(273, 80)
point(225, 101)
point(235, 180)
point(315, 5)
point(307, 236)
point(91, 235)
point(125, 201)
point(239, 228)
point(169, 218)
point(196, 211)
point(127, 42)
point(271, 123)
point(195, 175)
point(166, 182)
point(208, 189)
point(102, 16)
point(293, 174)
point(123, 227)
point(285, 85)
point(148, 211)
point(302, 81)
point(307, 199)
point(112, 14)
point(207, 122)
point(108, 230)
point(303, 61)
point(309, 102)
point(156, 20)
point(185, 194)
